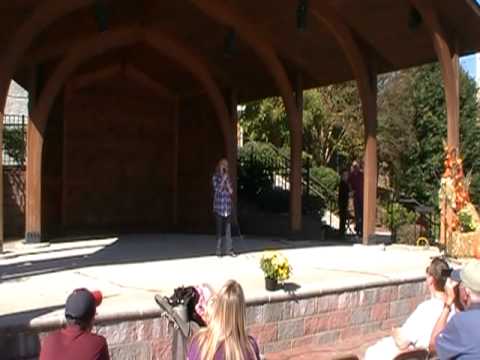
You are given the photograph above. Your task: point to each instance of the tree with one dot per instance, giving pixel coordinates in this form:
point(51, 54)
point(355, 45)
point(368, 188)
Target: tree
point(413, 128)
point(266, 121)
point(332, 122)
point(395, 123)
point(14, 144)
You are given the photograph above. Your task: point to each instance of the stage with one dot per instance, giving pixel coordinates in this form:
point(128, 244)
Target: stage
point(130, 269)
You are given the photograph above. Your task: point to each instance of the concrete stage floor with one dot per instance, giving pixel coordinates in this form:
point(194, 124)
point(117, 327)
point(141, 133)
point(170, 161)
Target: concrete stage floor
point(35, 280)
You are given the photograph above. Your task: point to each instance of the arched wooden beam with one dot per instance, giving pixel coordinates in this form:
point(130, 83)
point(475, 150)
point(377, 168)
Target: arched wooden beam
point(142, 78)
point(254, 37)
point(128, 71)
point(38, 120)
point(175, 50)
point(447, 56)
point(365, 75)
point(44, 15)
point(80, 53)
point(104, 73)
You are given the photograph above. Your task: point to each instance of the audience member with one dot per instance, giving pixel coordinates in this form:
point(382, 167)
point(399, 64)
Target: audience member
point(76, 341)
point(225, 337)
point(460, 337)
point(417, 330)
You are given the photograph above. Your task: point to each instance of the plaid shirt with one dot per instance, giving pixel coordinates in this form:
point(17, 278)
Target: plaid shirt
point(222, 199)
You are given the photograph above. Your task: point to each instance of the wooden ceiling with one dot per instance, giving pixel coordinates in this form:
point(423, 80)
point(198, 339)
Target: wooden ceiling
point(381, 25)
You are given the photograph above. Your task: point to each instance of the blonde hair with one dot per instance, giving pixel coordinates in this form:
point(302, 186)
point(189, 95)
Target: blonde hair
point(227, 326)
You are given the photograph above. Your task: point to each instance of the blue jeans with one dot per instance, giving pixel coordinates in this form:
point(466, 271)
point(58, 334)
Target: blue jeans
point(224, 226)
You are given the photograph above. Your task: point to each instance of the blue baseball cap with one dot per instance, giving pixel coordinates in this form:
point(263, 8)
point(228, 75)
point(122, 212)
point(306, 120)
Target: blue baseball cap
point(80, 305)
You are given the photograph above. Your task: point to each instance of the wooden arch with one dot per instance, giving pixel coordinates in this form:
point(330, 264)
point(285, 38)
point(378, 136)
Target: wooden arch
point(447, 56)
point(366, 78)
point(84, 51)
point(43, 16)
point(253, 36)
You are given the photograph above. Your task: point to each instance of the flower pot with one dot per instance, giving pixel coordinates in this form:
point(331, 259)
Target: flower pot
point(271, 284)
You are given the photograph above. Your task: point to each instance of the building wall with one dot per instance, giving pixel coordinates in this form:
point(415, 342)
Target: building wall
point(200, 147)
point(109, 164)
point(17, 100)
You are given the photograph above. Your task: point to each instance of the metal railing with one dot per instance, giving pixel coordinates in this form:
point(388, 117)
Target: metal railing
point(14, 139)
point(311, 185)
point(278, 169)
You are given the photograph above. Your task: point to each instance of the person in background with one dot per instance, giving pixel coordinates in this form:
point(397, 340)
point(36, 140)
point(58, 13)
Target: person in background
point(343, 197)
point(225, 337)
point(459, 338)
point(355, 179)
point(222, 207)
point(417, 330)
point(76, 341)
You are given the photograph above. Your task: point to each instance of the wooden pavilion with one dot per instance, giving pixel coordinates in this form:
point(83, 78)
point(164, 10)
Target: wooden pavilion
point(133, 102)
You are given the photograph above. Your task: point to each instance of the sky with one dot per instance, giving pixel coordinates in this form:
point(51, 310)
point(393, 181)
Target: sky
point(468, 62)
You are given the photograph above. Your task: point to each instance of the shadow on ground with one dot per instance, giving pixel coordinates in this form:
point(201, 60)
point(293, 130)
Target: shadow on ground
point(141, 248)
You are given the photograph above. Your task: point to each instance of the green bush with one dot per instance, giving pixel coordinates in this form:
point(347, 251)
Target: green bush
point(256, 165)
point(14, 142)
point(398, 215)
point(475, 189)
point(328, 179)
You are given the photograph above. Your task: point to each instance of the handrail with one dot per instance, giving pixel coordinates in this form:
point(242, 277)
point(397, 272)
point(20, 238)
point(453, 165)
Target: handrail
point(312, 185)
point(313, 179)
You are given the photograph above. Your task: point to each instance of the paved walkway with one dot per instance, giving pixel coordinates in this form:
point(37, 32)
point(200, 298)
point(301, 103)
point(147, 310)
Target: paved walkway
point(35, 280)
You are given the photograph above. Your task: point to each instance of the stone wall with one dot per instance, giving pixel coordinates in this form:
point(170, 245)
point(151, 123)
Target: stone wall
point(291, 322)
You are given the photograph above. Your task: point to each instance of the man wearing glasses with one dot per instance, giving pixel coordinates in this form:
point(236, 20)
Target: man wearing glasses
point(459, 338)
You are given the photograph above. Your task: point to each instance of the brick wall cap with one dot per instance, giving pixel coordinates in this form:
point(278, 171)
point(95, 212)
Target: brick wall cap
point(15, 323)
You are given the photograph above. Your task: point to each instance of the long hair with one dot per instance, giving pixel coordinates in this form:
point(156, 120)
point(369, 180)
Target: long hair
point(227, 326)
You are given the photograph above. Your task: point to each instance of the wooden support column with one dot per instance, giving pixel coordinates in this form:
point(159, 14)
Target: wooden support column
point(370, 174)
point(447, 54)
point(33, 223)
point(175, 150)
point(34, 147)
point(1, 182)
point(296, 145)
point(232, 107)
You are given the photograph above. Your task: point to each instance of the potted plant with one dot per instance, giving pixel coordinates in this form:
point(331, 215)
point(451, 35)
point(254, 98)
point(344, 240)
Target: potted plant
point(276, 268)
